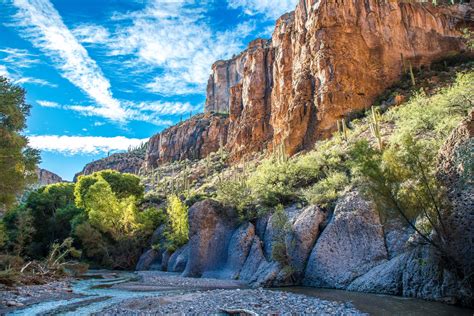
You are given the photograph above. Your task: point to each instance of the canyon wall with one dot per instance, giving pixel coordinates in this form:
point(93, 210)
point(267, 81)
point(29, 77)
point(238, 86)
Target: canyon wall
point(192, 139)
point(326, 60)
point(127, 162)
point(46, 177)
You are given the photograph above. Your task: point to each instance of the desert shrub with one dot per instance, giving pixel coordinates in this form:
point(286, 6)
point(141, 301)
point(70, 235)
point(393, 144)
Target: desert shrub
point(273, 182)
point(93, 243)
point(325, 192)
point(3, 235)
point(177, 232)
point(237, 193)
point(281, 228)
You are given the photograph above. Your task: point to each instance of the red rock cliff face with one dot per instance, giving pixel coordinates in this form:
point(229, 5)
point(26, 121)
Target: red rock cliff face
point(192, 139)
point(324, 61)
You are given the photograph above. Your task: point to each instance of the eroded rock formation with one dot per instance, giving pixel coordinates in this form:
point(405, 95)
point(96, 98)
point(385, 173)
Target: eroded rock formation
point(325, 60)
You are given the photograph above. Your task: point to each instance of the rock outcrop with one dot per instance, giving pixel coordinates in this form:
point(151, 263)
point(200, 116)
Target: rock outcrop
point(325, 61)
point(192, 139)
point(455, 170)
point(351, 244)
point(210, 231)
point(128, 162)
point(46, 177)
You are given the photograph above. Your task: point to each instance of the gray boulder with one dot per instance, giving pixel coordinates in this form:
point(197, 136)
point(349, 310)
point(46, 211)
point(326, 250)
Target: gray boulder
point(455, 170)
point(305, 230)
point(351, 244)
point(257, 271)
point(178, 260)
point(150, 259)
point(210, 230)
point(417, 273)
point(397, 237)
point(237, 253)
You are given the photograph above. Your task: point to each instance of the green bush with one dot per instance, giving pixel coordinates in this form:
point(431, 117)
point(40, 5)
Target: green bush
point(281, 228)
point(123, 185)
point(325, 192)
point(237, 193)
point(177, 233)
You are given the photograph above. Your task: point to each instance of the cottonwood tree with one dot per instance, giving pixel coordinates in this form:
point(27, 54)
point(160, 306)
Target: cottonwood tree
point(17, 160)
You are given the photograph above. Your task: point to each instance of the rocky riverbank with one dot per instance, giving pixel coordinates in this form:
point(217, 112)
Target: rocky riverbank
point(246, 301)
point(12, 298)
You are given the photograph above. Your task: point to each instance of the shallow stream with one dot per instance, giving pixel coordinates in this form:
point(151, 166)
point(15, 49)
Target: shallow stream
point(98, 294)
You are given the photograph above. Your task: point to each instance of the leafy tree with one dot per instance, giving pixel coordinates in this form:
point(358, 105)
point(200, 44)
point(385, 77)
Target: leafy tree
point(122, 185)
point(178, 227)
point(17, 160)
point(51, 210)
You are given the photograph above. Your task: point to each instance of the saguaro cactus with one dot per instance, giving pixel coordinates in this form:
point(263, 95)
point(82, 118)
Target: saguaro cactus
point(375, 127)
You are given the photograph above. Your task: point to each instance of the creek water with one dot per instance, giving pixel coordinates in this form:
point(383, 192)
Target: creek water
point(97, 293)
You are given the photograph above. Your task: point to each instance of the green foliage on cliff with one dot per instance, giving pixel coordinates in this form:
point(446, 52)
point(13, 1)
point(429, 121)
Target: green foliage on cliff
point(17, 160)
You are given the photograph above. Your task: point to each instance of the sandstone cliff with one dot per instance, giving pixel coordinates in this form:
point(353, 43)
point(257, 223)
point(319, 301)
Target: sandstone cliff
point(46, 177)
point(326, 60)
point(128, 162)
point(192, 139)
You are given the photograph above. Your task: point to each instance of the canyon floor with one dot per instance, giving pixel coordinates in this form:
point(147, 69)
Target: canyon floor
point(158, 293)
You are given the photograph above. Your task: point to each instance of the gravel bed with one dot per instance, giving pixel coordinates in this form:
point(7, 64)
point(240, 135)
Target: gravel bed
point(167, 279)
point(258, 301)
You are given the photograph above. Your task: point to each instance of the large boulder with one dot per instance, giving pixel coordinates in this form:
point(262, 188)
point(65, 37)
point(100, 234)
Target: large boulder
point(238, 251)
point(257, 270)
point(210, 230)
point(149, 260)
point(306, 227)
point(416, 273)
point(351, 244)
point(456, 172)
point(178, 260)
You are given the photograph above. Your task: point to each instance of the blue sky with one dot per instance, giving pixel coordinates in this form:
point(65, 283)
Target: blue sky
point(103, 75)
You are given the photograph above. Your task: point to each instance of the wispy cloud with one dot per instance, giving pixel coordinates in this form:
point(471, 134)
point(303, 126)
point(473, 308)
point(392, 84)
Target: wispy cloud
point(48, 104)
point(91, 34)
point(175, 39)
point(73, 145)
point(43, 26)
point(20, 58)
point(18, 79)
point(271, 9)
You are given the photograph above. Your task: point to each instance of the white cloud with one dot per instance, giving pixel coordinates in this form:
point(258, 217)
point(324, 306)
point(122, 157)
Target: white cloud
point(176, 39)
point(72, 145)
point(16, 79)
point(271, 9)
point(19, 57)
point(91, 34)
point(4, 71)
point(37, 81)
point(48, 104)
point(42, 25)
